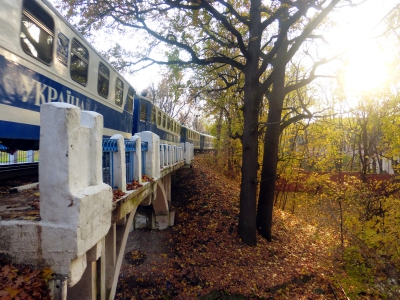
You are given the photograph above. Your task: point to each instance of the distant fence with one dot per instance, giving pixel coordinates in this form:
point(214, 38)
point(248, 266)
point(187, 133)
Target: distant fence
point(18, 157)
point(297, 182)
point(130, 149)
point(110, 146)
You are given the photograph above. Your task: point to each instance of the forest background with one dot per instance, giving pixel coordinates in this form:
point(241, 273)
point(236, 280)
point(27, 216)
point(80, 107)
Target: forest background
point(304, 108)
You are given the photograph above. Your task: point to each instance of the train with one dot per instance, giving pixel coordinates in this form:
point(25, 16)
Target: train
point(43, 58)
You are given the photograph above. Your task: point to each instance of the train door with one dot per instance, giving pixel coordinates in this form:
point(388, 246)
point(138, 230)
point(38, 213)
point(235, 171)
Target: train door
point(146, 115)
point(202, 142)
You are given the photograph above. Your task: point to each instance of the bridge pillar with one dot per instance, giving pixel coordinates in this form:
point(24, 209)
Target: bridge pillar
point(161, 204)
point(122, 233)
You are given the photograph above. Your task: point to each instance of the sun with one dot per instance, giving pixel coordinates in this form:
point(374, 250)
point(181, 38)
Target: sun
point(366, 69)
point(357, 36)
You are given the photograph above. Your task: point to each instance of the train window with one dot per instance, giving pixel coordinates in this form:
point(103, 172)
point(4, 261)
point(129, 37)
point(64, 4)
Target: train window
point(79, 63)
point(103, 81)
point(143, 114)
point(168, 123)
point(37, 32)
point(164, 121)
point(159, 118)
point(129, 100)
point(153, 115)
point(119, 92)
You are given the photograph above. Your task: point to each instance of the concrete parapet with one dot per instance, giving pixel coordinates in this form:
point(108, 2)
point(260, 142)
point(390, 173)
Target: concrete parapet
point(81, 234)
point(75, 205)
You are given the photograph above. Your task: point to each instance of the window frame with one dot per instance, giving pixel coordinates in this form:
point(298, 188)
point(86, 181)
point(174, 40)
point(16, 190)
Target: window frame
point(42, 19)
point(153, 114)
point(82, 59)
point(129, 100)
point(143, 108)
point(101, 65)
point(159, 118)
point(119, 89)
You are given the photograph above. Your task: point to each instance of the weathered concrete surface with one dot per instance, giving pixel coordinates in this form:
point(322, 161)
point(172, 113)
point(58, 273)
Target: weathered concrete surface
point(81, 234)
point(75, 205)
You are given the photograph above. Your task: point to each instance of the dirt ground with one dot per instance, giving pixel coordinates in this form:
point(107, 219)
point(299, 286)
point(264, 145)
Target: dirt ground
point(23, 205)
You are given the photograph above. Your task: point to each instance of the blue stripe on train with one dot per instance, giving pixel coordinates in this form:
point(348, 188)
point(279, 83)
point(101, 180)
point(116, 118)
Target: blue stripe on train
point(24, 88)
point(11, 130)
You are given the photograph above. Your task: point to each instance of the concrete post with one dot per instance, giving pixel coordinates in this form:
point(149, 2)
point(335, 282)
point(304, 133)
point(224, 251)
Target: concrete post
point(188, 152)
point(13, 158)
point(137, 160)
point(153, 153)
point(30, 156)
point(166, 161)
point(161, 156)
point(173, 155)
point(119, 163)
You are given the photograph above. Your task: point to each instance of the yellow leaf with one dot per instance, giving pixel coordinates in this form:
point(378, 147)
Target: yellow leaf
point(47, 274)
point(12, 292)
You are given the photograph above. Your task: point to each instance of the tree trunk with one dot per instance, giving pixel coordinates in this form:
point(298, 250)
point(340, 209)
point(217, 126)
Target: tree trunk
point(252, 101)
point(270, 156)
point(248, 190)
point(219, 129)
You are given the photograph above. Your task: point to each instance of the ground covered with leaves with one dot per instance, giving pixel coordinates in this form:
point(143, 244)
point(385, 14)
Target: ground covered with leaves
point(202, 256)
point(18, 282)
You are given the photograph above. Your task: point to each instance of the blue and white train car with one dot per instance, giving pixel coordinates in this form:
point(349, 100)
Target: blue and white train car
point(44, 59)
point(206, 142)
point(148, 117)
point(190, 136)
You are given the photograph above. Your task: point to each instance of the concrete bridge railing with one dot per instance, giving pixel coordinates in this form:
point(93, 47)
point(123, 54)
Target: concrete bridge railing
point(82, 234)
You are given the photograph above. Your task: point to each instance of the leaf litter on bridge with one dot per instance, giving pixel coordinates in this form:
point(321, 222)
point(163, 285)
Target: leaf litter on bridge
point(202, 256)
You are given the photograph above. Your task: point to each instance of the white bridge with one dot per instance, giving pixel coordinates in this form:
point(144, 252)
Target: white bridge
point(82, 233)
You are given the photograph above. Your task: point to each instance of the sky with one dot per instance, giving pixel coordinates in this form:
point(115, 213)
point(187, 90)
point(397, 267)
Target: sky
point(365, 63)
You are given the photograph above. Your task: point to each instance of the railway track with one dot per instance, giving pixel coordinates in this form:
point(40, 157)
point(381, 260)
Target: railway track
point(17, 170)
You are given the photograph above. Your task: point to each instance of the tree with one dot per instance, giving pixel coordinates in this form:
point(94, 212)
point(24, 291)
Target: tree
point(257, 38)
point(170, 94)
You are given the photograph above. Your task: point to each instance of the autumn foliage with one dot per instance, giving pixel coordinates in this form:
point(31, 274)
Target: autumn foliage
point(204, 254)
point(23, 283)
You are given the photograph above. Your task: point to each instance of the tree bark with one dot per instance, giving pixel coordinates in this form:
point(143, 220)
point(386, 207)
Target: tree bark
point(270, 156)
point(252, 101)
